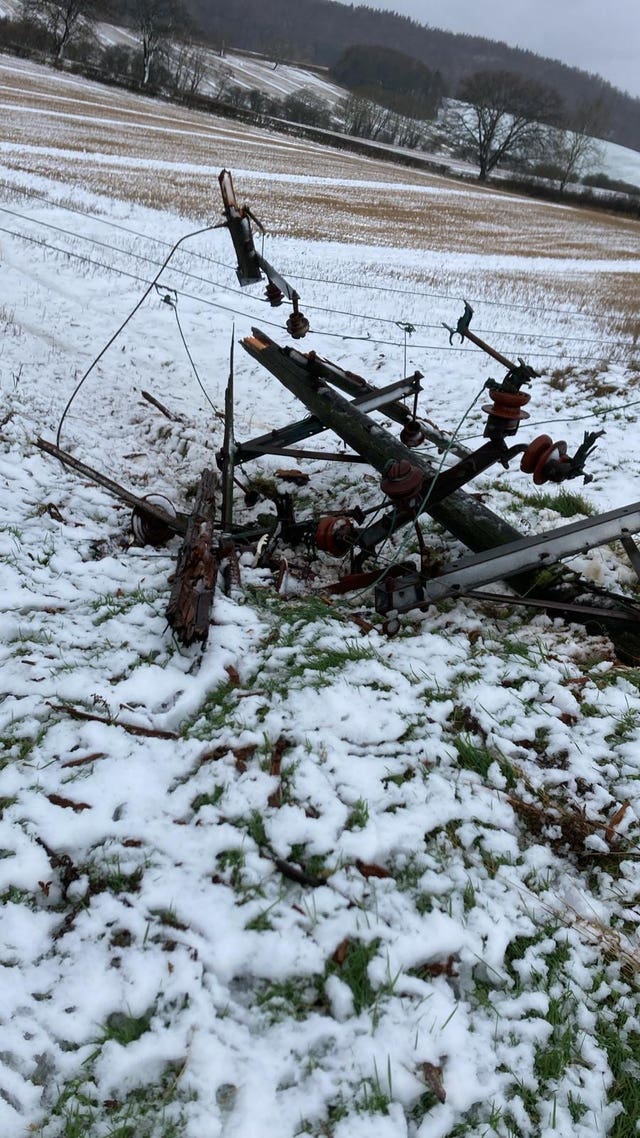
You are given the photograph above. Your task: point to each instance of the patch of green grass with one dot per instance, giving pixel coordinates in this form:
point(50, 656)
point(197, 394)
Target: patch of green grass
point(472, 757)
point(589, 710)
point(623, 1052)
point(15, 896)
point(152, 1111)
point(125, 1029)
point(255, 829)
point(312, 864)
point(567, 503)
point(625, 728)
point(358, 815)
point(423, 1106)
point(234, 861)
point(13, 745)
point(562, 1047)
point(216, 712)
point(170, 918)
point(109, 875)
point(354, 972)
point(530, 1099)
point(311, 664)
point(516, 648)
point(207, 799)
point(111, 605)
point(406, 870)
point(577, 1108)
point(292, 998)
point(468, 896)
point(373, 1098)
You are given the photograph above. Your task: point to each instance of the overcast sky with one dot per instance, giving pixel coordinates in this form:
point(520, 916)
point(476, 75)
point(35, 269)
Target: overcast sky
point(597, 35)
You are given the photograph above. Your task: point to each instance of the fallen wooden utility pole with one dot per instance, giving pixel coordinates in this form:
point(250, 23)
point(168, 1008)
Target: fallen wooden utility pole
point(462, 515)
point(465, 517)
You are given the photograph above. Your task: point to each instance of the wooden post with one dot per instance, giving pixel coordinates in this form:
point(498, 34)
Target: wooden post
point(189, 608)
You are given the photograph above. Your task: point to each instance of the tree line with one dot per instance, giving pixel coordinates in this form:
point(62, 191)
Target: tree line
point(498, 119)
point(167, 57)
point(318, 31)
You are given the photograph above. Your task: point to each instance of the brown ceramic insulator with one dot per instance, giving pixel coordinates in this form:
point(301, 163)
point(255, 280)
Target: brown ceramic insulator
point(507, 404)
point(402, 481)
point(412, 434)
point(542, 473)
point(333, 535)
point(533, 452)
point(274, 295)
point(297, 325)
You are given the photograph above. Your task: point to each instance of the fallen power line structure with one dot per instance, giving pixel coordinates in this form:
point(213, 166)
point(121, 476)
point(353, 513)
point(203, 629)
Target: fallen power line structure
point(412, 485)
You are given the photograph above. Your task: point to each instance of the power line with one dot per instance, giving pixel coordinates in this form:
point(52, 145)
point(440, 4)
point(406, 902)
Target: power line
point(344, 336)
point(111, 224)
point(599, 413)
point(450, 296)
point(319, 308)
point(545, 309)
point(123, 325)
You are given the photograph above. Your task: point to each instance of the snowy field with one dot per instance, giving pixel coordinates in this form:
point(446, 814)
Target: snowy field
point(310, 880)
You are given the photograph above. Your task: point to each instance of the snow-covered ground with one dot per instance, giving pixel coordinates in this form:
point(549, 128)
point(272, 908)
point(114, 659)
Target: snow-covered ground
point(308, 880)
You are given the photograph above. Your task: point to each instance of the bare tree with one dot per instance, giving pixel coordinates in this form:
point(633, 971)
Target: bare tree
point(577, 146)
point(365, 119)
point(157, 21)
point(502, 115)
point(189, 69)
point(62, 19)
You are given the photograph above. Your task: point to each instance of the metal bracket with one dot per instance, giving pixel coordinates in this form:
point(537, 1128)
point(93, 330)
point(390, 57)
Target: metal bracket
point(275, 441)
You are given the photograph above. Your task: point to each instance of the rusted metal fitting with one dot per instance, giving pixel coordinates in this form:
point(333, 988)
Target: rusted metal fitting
point(297, 324)
point(148, 530)
point(412, 434)
point(545, 460)
point(505, 412)
point(334, 534)
point(403, 483)
point(274, 295)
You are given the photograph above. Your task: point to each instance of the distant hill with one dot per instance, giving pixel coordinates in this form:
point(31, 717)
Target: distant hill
point(318, 31)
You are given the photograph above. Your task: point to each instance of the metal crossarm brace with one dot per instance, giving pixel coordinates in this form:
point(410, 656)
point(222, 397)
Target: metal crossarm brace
point(352, 384)
point(275, 442)
point(534, 552)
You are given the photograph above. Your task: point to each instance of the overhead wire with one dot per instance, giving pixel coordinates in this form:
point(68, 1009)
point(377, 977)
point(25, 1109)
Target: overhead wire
point(599, 413)
point(523, 307)
point(173, 303)
point(119, 330)
point(344, 336)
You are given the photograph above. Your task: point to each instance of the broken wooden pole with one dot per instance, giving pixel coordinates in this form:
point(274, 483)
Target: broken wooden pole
point(191, 600)
point(228, 447)
point(355, 385)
